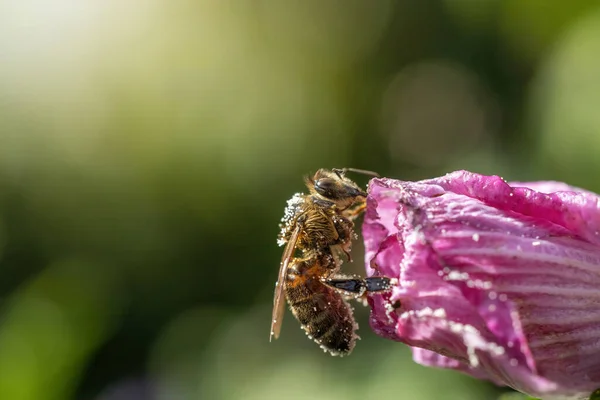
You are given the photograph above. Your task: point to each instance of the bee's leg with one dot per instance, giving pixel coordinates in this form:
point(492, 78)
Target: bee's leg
point(351, 287)
point(339, 248)
point(357, 288)
point(353, 213)
point(348, 255)
point(378, 283)
point(345, 231)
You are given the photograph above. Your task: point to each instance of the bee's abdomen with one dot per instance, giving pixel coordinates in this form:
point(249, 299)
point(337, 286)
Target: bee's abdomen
point(322, 312)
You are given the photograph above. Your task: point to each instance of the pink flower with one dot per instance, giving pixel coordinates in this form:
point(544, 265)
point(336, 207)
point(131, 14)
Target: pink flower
point(498, 280)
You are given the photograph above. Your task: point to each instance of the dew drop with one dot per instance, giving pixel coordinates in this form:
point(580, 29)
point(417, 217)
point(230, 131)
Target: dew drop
point(439, 313)
point(473, 360)
point(458, 276)
point(476, 237)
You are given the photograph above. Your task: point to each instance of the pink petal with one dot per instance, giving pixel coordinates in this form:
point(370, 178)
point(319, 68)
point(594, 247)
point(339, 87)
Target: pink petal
point(499, 281)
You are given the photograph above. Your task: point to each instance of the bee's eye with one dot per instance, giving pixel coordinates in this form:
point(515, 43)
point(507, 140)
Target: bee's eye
point(325, 187)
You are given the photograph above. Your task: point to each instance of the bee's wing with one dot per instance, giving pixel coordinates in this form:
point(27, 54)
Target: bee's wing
point(279, 298)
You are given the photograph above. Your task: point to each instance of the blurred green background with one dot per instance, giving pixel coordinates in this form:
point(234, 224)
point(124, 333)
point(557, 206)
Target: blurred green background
point(147, 149)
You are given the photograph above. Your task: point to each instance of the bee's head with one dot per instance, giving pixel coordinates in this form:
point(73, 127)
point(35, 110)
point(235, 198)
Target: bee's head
point(333, 186)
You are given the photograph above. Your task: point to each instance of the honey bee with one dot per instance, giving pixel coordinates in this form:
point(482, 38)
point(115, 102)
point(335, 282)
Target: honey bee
point(316, 228)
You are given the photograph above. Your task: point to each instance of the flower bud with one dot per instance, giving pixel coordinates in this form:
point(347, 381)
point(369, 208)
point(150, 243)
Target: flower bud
point(498, 280)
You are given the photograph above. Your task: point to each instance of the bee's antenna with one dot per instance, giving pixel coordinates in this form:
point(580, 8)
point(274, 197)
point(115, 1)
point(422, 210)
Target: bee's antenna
point(342, 171)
